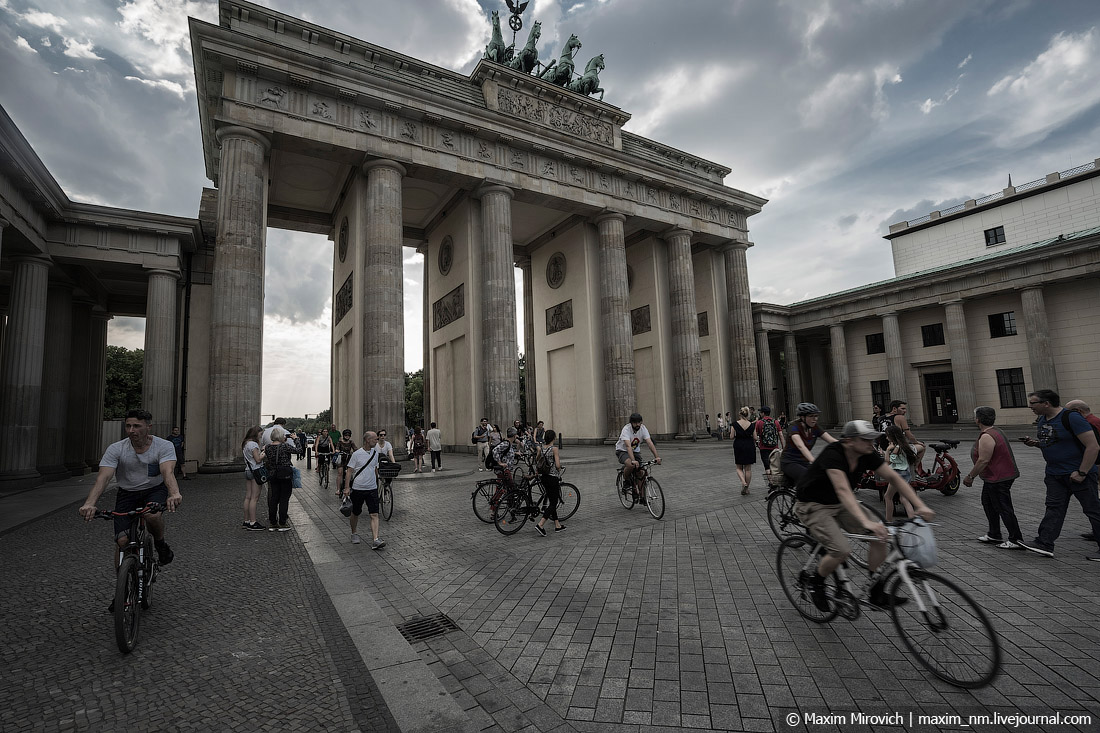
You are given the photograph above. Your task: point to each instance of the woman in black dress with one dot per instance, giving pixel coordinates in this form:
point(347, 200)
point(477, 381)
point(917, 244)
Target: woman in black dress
point(744, 449)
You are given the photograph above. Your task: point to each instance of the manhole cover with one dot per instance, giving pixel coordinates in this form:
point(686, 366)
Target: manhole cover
point(426, 627)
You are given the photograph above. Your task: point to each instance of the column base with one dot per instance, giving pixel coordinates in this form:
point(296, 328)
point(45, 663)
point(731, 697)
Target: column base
point(230, 466)
point(54, 473)
point(19, 480)
point(693, 437)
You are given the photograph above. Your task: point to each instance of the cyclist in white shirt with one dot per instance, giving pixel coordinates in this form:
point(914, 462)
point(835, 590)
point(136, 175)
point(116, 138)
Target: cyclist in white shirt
point(361, 484)
point(628, 449)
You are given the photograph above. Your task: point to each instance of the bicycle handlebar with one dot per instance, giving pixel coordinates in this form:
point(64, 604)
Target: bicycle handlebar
point(150, 508)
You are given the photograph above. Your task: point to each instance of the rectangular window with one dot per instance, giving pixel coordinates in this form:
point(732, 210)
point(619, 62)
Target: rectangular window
point(1010, 385)
point(880, 393)
point(993, 236)
point(932, 334)
point(1002, 324)
point(875, 344)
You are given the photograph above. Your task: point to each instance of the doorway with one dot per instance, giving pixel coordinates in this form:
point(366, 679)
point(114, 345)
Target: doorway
point(939, 391)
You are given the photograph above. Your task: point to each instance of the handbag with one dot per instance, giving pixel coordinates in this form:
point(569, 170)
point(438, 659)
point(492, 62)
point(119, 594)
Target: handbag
point(259, 475)
point(296, 478)
point(345, 506)
point(918, 543)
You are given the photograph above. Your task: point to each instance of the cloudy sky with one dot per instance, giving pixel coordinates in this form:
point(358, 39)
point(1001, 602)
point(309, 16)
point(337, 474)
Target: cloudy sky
point(848, 115)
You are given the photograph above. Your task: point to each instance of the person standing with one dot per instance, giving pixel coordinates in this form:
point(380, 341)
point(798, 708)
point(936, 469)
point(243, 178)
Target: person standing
point(302, 447)
point(481, 440)
point(419, 448)
point(1069, 448)
point(435, 445)
point(729, 426)
point(769, 437)
point(176, 439)
point(548, 463)
point(540, 432)
point(721, 426)
point(361, 484)
point(744, 448)
point(994, 462)
point(877, 416)
point(253, 458)
point(280, 474)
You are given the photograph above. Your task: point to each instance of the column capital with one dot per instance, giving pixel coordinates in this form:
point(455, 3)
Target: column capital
point(523, 262)
point(608, 216)
point(953, 301)
point(1032, 288)
point(422, 248)
point(167, 273)
point(491, 188)
point(734, 244)
point(676, 232)
point(385, 163)
point(889, 314)
point(244, 132)
point(33, 259)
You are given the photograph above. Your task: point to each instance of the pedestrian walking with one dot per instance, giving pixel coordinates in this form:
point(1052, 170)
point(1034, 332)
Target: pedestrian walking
point(280, 473)
point(995, 463)
point(435, 445)
point(744, 448)
point(419, 448)
point(176, 439)
point(769, 437)
point(253, 460)
point(548, 464)
point(361, 485)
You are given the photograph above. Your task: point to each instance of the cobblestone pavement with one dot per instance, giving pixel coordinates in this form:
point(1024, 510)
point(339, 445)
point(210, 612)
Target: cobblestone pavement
point(621, 623)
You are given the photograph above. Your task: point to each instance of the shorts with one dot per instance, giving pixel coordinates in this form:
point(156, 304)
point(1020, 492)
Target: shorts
point(127, 501)
point(827, 524)
point(622, 454)
point(358, 497)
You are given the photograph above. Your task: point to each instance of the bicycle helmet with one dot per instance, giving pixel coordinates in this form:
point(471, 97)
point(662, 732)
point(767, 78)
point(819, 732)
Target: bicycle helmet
point(635, 417)
point(807, 408)
point(347, 433)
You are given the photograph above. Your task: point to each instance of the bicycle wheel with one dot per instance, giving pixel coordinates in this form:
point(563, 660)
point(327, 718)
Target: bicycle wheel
point(791, 561)
point(781, 516)
point(512, 513)
point(654, 498)
point(570, 501)
point(127, 605)
point(626, 496)
point(150, 560)
point(952, 637)
point(385, 503)
point(482, 499)
point(323, 480)
point(860, 549)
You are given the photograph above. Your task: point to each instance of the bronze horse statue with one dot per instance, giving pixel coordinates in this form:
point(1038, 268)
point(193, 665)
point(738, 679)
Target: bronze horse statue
point(527, 57)
point(496, 50)
point(560, 71)
point(589, 83)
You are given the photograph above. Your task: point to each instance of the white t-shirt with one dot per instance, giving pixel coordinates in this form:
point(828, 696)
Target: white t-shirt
point(434, 436)
point(138, 471)
point(384, 449)
point(367, 479)
point(248, 448)
point(265, 438)
point(631, 441)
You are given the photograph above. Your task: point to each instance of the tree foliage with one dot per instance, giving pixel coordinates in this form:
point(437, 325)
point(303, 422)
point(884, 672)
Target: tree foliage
point(125, 369)
point(414, 397)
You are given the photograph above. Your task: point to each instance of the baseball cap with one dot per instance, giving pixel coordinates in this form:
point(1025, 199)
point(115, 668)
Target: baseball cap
point(860, 429)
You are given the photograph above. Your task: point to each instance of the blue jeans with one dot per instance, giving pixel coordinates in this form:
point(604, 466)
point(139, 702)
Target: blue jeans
point(1059, 490)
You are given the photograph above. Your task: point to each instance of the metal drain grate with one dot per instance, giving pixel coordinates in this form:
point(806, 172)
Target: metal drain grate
point(426, 627)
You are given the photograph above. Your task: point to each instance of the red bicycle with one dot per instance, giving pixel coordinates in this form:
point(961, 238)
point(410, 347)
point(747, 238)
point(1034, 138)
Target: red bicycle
point(944, 476)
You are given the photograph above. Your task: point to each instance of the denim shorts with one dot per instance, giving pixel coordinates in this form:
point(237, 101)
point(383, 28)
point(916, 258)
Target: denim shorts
point(127, 501)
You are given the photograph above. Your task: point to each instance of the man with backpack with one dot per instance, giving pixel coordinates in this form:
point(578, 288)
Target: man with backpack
point(1070, 447)
point(480, 438)
point(768, 437)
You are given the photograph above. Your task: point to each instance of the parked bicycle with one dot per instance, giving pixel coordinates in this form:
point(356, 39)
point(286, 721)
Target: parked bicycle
point(137, 570)
point(645, 490)
point(939, 623)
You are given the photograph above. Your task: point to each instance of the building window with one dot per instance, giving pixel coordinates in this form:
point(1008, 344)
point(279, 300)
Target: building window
point(1002, 324)
point(932, 334)
point(993, 236)
point(880, 393)
point(1010, 385)
point(875, 344)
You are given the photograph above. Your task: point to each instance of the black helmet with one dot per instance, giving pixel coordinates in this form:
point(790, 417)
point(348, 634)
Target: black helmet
point(347, 432)
point(807, 408)
point(635, 417)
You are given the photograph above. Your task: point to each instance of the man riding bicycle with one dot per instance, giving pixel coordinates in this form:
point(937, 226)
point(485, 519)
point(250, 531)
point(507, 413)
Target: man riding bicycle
point(145, 468)
point(628, 449)
point(345, 447)
point(827, 507)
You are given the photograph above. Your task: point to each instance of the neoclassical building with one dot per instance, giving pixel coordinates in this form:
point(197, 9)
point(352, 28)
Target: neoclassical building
point(992, 298)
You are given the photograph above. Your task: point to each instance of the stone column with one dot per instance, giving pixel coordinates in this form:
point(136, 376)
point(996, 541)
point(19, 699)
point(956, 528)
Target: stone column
point(383, 302)
point(895, 359)
point(3, 226)
point(237, 314)
point(1037, 333)
point(794, 374)
point(617, 339)
point(158, 385)
point(21, 397)
point(79, 399)
point(841, 381)
point(427, 345)
point(769, 396)
point(96, 384)
point(57, 363)
point(744, 371)
point(499, 349)
point(959, 344)
point(687, 362)
point(530, 388)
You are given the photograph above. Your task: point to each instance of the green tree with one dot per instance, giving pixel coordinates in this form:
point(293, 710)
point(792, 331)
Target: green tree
point(125, 369)
point(414, 397)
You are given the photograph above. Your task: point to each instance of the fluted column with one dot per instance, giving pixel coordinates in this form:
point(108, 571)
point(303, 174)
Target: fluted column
point(96, 381)
point(794, 374)
point(841, 380)
point(530, 391)
point(768, 393)
point(158, 385)
point(499, 347)
point(959, 343)
point(895, 359)
point(427, 339)
point(687, 362)
point(79, 398)
point(1037, 333)
point(57, 363)
point(383, 302)
point(237, 314)
point(617, 339)
point(21, 398)
point(744, 369)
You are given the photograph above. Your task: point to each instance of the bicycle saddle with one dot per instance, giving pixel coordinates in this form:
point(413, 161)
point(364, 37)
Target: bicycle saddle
point(938, 447)
point(950, 443)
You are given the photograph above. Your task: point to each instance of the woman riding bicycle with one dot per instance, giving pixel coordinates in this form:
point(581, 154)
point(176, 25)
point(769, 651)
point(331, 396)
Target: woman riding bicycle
point(802, 435)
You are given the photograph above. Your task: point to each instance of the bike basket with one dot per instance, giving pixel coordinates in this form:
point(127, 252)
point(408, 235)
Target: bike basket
point(387, 469)
point(917, 543)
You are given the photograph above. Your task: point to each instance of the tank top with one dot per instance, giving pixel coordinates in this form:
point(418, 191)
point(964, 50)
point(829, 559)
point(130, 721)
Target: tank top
point(1002, 465)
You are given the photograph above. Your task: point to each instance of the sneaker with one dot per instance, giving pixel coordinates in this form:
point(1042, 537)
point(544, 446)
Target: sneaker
point(1094, 558)
point(164, 552)
point(816, 584)
point(882, 600)
point(256, 527)
point(284, 527)
point(354, 538)
point(990, 540)
point(1009, 545)
point(245, 525)
point(481, 469)
point(540, 530)
point(274, 527)
point(1034, 547)
point(378, 544)
point(559, 529)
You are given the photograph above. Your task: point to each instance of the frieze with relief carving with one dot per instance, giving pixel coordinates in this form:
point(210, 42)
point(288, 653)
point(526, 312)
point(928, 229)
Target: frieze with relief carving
point(343, 301)
point(639, 321)
point(550, 115)
point(559, 317)
point(449, 308)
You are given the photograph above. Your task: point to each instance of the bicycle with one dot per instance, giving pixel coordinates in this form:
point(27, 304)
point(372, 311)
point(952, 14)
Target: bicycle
point(569, 498)
point(653, 495)
point(137, 570)
point(485, 497)
point(387, 471)
point(322, 466)
point(939, 623)
point(784, 522)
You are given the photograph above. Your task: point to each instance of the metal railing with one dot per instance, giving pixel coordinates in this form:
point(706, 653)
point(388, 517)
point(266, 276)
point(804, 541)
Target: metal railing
point(990, 197)
point(1031, 184)
point(1079, 169)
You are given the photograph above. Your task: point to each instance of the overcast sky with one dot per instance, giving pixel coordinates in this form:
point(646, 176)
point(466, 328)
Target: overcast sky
point(847, 115)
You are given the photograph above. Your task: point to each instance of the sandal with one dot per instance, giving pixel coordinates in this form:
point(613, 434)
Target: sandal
point(745, 490)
